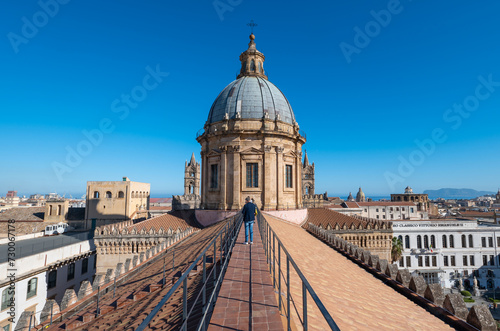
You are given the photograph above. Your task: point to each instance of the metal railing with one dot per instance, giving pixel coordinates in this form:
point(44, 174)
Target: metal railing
point(273, 248)
point(226, 237)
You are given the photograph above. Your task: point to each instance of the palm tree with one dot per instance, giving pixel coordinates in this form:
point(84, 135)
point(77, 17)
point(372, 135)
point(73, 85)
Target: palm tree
point(397, 249)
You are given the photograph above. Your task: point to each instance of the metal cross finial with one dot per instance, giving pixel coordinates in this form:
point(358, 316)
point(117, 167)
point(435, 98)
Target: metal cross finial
point(252, 25)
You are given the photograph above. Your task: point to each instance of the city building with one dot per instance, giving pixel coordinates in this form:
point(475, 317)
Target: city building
point(383, 210)
point(11, 199)
point(114, 201)
point(422, 200)
point(42, 275)
point(443, 251)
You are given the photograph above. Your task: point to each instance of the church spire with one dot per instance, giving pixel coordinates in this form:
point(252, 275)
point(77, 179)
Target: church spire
point(252, 61)
point(192, 161)
point(306, 159)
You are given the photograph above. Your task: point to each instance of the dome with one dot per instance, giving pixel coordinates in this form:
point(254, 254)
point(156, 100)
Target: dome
point(254, 98)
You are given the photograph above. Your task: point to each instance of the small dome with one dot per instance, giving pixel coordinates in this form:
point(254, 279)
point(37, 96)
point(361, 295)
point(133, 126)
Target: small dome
point(253, 98)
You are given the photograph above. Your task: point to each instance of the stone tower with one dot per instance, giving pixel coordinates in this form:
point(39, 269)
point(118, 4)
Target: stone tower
point(191, 198)
point(307, 177)
point(192, 177)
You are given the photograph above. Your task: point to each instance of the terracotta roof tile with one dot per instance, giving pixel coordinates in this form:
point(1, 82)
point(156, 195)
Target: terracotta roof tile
point(23, 214)
point(324, 217)
point(165, 221)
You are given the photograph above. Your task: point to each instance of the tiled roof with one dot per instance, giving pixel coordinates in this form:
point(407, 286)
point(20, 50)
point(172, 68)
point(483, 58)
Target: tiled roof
point(160, 208)
point(137, 296)
point(160, 200)
point(34, 214)
point(471, 213)
point(351, 204)
point(165, 221)
point(323, 217)
point(355, 299)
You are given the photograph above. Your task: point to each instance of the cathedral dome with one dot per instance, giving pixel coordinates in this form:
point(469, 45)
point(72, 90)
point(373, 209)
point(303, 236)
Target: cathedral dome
point(251, 97)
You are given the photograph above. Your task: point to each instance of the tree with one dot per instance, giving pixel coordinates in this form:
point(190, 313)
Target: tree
point(397, 249)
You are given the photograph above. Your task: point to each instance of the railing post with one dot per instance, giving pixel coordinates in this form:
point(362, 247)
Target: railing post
point(215, 262)
point(288, 293)
point(304, 304)
point(184, 303)
point(98, 293)
point(204, 296)
point(51, 312)
point(274, 260)
point(269, 250)
point(279, 275)
point(164, 280)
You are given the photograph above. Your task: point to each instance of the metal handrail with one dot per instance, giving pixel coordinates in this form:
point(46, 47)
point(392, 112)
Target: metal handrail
point(227, 237)
point(269, 240)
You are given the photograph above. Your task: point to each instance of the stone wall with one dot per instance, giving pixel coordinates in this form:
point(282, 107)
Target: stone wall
point(116, 244)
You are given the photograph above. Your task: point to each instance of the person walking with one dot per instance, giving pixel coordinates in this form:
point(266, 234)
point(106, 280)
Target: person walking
point(249, 212)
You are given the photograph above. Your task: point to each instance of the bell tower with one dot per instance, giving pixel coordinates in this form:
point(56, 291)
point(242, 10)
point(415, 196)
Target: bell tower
point(192, 177)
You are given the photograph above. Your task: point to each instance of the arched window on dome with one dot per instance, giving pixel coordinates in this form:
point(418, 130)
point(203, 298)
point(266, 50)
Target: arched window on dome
point(252, 65)
point(260, 67)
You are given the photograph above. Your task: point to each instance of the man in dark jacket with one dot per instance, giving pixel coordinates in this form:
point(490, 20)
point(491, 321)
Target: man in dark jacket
point(249, 212)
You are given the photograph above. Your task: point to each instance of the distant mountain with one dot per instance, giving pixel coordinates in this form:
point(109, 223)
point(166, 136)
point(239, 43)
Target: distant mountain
point(456, 193)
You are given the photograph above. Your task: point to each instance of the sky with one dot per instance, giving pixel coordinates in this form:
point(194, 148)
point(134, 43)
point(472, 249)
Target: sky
point(389, 93)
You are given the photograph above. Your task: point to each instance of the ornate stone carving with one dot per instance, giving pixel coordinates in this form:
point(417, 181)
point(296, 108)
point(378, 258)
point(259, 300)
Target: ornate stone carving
point(267, 148)
point(280, 149)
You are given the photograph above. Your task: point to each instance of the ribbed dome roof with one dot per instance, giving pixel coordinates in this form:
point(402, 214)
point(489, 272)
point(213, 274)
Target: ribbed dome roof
point(252, 97)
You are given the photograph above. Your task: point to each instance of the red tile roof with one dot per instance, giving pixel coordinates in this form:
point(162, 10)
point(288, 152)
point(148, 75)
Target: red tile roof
point(23, 214)
point(160, 208)
point(165, 221)
point(160, 200)
point(324, 217)
point(351, 204)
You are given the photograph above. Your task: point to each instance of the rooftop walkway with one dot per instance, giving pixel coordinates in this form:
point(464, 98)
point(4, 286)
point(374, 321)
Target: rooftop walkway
point(355, 299)
point(246, 299)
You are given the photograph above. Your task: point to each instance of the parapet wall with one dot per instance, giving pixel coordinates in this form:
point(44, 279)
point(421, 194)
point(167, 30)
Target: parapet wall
point(209, 217)
point(296, 216)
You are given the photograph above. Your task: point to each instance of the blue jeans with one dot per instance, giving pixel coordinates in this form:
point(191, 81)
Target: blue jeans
point(249, 228)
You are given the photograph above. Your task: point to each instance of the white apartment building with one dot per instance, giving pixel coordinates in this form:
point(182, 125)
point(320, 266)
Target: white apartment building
point(443, 251)
point(384, 210)
point(42, 276)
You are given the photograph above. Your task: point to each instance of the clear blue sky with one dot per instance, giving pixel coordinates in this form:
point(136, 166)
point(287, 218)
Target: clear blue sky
point(363, 100)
